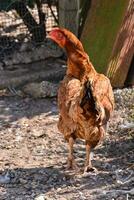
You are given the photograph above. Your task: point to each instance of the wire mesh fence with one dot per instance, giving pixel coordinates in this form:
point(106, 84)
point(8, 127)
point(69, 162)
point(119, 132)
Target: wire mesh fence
point(25, 20)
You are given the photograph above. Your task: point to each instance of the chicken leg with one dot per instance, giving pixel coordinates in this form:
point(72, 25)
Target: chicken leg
point(88, 164)
point(71, 164)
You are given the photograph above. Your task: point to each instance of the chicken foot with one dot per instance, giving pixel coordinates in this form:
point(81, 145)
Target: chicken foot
point(88, 164)
point(71, 164)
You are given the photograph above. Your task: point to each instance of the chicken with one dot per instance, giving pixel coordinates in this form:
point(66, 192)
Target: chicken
point(85, 98)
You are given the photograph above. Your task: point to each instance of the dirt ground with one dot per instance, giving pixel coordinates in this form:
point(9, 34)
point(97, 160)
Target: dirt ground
point(33, 154)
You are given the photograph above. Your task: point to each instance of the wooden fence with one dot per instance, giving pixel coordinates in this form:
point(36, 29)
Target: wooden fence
point(123, 50)
point(108, 38)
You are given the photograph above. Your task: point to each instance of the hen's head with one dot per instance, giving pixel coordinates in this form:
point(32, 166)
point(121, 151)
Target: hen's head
point(63, 38)
point(58, 36)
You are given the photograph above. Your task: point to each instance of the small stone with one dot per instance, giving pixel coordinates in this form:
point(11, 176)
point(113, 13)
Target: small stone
point(22, 181)
point(131, 191)
point(37, 133)
point(59, 189)
point(41, 197)
point(34, 184)
point(4, 179)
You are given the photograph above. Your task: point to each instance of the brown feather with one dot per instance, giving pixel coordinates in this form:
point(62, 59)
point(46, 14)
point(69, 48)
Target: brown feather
point(87, 122)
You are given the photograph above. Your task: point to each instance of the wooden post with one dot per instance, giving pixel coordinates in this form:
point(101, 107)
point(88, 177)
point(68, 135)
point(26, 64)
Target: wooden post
point(123, 50)
point(101, 27)
point(68, 15)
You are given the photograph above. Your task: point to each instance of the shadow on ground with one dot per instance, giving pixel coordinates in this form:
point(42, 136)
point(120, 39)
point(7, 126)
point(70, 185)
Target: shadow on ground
point(34, 164)
point(54, 181)
point(14, 108)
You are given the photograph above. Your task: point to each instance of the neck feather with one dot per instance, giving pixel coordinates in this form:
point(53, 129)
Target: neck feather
point(79, 65)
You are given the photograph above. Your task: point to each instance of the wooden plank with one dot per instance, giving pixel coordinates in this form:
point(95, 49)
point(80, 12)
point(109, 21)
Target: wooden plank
point(130, 76)
point(68, 15)
point(123, 50)
point(100, 30)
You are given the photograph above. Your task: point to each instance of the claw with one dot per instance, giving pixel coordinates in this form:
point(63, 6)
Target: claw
point(71, 165)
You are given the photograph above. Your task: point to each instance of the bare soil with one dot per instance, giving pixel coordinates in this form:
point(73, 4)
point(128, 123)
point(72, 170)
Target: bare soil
point(33, 155)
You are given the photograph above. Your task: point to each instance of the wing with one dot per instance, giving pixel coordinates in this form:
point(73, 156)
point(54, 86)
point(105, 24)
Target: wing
point(102, 91)
point(99, 93)
point(69, 97)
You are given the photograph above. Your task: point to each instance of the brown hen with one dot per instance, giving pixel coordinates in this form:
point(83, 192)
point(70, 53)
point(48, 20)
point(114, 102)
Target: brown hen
point(85, 98)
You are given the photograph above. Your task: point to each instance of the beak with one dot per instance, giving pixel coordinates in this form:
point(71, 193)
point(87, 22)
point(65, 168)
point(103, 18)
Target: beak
point(48, 36)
